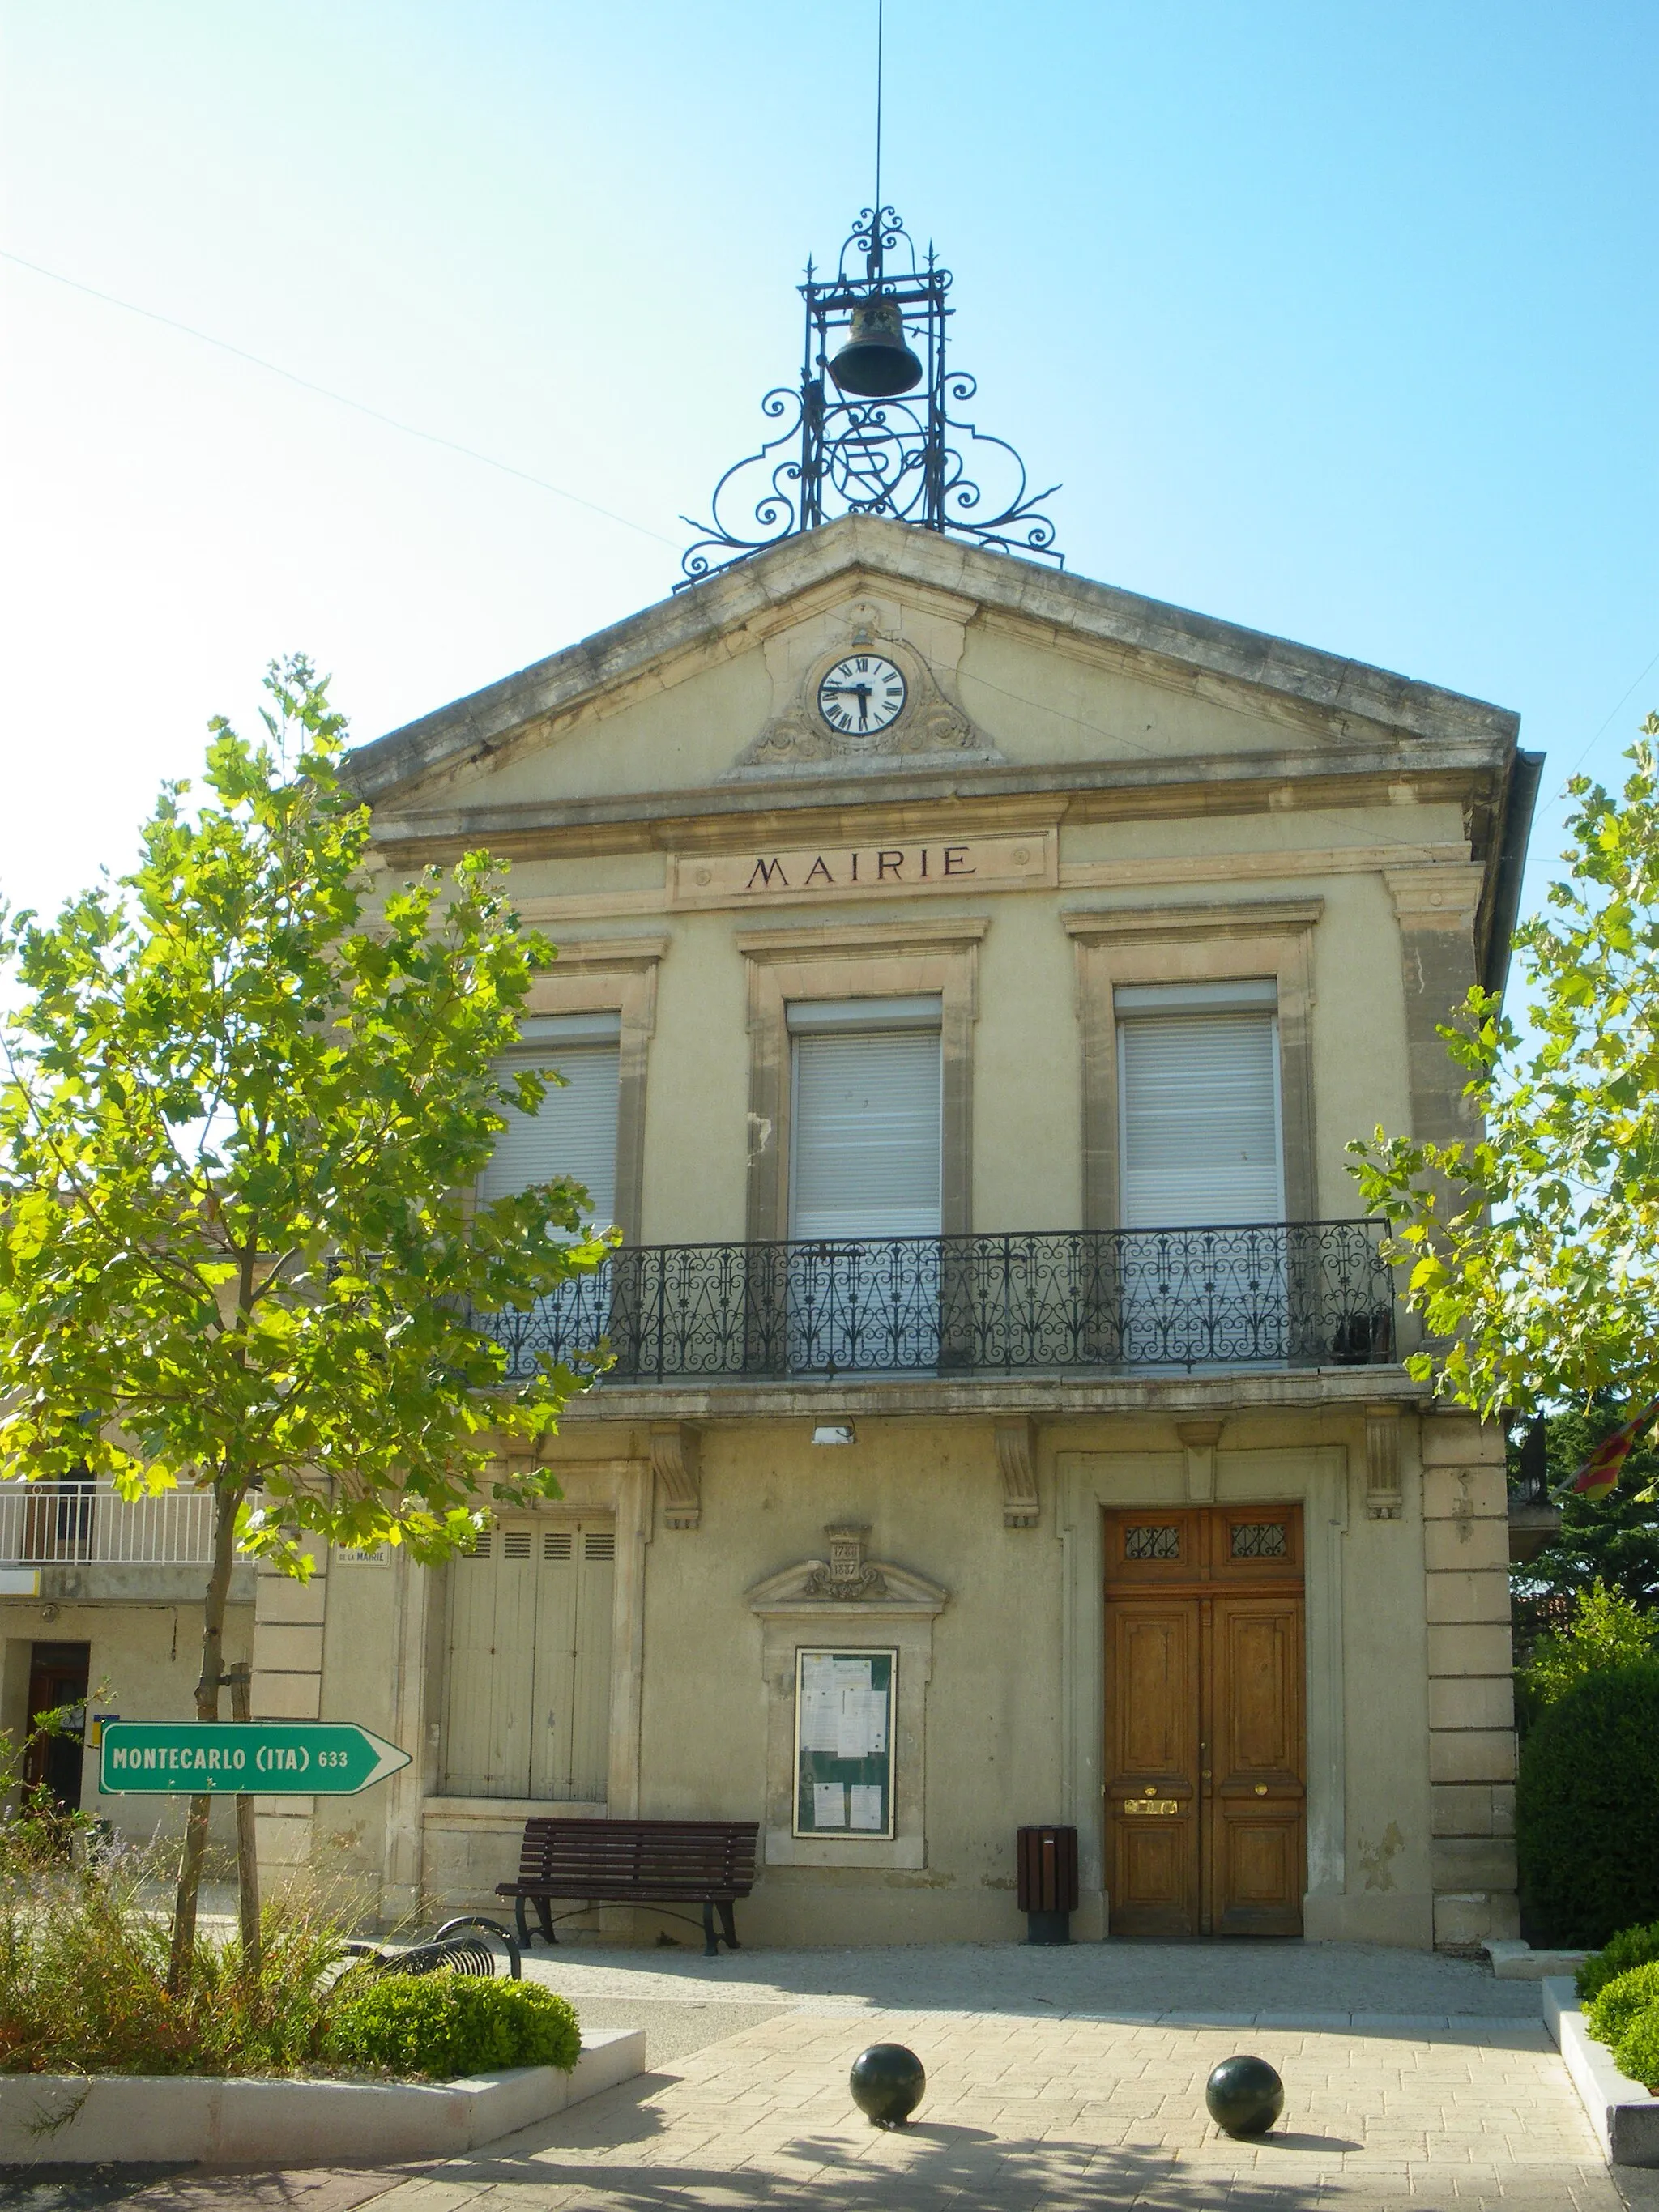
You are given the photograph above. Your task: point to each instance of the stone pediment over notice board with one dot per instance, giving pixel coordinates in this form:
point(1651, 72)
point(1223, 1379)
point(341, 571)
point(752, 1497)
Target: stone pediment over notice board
point(798, 740)
point(847, 1581)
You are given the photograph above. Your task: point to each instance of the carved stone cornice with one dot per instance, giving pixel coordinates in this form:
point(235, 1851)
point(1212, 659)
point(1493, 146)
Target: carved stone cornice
point(1199, 1440)
point(1384, 1491)
point(675, 1462)
point(1442, 897)
point(929, 730)
point(847, 1581)
point(1017, 1456)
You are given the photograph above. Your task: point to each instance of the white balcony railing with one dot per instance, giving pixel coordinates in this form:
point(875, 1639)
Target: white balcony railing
point(44, 1524)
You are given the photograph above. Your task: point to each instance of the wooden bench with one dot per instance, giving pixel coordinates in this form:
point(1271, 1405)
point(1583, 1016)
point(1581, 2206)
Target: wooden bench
point(707, 1862)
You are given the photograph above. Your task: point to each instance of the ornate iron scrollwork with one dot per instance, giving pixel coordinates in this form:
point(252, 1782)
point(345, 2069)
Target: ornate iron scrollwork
point(905, 459)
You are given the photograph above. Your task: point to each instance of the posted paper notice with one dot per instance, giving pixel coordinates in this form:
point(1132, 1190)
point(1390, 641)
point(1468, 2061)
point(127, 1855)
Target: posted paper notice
point(866, 1806)
point(830, 1804)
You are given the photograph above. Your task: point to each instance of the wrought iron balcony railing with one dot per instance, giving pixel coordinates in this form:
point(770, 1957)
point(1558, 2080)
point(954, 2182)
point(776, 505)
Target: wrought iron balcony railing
point(1296, 1294)
point(91, 1524)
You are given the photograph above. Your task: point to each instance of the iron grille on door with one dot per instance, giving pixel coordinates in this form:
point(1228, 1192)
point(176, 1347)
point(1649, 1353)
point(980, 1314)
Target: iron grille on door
point(527, 1710)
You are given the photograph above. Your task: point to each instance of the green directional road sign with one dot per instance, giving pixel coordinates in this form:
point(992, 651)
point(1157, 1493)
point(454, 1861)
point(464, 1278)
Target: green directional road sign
point(262, 1758)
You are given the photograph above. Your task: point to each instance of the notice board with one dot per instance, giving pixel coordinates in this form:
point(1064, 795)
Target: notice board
point(844, 1716)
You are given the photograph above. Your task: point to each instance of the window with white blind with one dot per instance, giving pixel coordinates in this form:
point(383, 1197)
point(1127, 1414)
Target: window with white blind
point(527, 1702)
point(865, 1177)
point(1198, 1106)
point(866, 1118)
point(575, 1133)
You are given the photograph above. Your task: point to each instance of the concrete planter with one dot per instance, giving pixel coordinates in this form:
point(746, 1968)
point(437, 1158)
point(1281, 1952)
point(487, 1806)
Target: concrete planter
point(136, 2119)
point(1624, 2118)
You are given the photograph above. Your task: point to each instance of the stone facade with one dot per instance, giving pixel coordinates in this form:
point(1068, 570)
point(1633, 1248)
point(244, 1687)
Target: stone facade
point(1090, 792)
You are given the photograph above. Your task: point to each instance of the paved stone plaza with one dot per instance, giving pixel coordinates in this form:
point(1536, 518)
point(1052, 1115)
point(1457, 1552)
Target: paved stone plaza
point(1057, 2079)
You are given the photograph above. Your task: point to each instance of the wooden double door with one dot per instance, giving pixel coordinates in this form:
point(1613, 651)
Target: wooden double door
point(1206, 1761)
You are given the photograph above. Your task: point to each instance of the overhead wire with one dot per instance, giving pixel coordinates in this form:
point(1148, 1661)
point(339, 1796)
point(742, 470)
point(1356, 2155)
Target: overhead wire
point(340, 398)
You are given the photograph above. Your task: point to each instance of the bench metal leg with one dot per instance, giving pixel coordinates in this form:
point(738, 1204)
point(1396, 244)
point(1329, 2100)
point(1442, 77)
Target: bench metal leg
point(728, 1923)
point(519, 1914)
point(544, 1914)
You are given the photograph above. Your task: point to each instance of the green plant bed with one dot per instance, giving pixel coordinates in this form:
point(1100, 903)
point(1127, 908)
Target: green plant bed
point(1620, 2001)
point(1630, 1946)
point(1587, 1808)
point(1636, 2051)
point(442, 2026)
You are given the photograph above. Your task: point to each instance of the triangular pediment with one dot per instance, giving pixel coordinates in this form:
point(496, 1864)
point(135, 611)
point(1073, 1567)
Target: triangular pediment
point(1008, 669)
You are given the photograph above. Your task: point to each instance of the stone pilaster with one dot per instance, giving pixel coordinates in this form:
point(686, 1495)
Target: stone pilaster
point(1470, 1688)
point(289, 1618)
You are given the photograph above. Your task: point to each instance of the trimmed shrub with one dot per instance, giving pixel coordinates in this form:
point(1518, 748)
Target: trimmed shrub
point(1636, 2051)
point(443, 2025)
point(1630, 1946)
point(1624, 1996)
point(1587, 1810)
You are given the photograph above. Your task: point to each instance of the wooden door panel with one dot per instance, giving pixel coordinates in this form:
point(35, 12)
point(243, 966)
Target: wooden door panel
point(1258, 1703)
point(1153, 1756)
point(1259, 1878)
point(1205, 1724)
point(1156, 1684)
point(1154, 1876)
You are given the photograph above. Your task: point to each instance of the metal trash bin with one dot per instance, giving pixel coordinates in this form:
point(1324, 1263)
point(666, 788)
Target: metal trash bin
point(1048, 1882)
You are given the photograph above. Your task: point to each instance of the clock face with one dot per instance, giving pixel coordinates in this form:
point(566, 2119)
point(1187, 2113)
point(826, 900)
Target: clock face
point(862, 695)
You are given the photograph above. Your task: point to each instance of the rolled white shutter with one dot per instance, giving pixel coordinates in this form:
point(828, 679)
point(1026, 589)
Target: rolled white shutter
point(865, 1134)
point(574, 1135)
point(1198, 1103)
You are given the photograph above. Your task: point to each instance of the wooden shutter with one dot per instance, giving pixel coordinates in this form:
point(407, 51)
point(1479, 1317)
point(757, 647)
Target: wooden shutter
point(865, 1133)
point(527, 1710)
point(1199, 1105)
point(575, 1133)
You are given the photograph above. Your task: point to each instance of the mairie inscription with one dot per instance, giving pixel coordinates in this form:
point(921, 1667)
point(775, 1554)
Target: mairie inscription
point(773, 876)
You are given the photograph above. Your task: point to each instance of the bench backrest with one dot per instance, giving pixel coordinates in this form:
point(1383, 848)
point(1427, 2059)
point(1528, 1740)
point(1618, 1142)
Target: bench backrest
point(715, 1855)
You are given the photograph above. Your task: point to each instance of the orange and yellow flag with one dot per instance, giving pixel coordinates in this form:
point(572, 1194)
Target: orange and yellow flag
point(1601, 1471)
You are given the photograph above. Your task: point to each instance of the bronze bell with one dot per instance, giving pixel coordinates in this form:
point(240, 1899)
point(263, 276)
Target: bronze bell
point(876, 363)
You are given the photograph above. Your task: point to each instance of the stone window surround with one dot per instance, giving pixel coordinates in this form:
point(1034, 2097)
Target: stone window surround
point(606, 976)
point(793, 1618)
point(854, 960)
point(1219, 943)
point(1092, 1482)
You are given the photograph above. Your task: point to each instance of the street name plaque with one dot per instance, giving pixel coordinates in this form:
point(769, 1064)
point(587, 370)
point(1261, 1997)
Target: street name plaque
point(263, 1759)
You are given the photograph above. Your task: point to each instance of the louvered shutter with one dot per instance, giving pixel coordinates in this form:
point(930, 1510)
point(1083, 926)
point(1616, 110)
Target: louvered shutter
point(575, 1134)
point(865, 1134)
point(1198, 1103)
point(528, 1709)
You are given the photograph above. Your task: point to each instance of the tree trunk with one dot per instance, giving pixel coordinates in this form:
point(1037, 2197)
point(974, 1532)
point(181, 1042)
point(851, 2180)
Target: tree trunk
point(247, 1838)
point(226, 1502)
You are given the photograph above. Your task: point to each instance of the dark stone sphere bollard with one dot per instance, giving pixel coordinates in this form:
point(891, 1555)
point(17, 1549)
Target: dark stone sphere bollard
point(1245, 2096)
point(888, 2084)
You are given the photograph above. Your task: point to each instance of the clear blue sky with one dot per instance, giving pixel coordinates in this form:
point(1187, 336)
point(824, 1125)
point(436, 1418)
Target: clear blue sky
point(1338, 321)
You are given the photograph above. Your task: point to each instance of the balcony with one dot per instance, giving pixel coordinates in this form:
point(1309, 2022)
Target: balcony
point(69, 1527)
point(1110, 1302)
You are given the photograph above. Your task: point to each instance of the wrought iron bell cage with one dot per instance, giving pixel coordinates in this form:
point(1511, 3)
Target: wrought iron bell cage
point(903, 456)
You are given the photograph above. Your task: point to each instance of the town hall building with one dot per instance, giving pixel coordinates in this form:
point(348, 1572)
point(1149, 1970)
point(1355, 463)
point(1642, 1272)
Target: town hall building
point(971, 979)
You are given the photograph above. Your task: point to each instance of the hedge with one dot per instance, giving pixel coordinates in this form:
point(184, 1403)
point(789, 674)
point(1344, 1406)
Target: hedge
point(445, 2025)
point(1587, 1810)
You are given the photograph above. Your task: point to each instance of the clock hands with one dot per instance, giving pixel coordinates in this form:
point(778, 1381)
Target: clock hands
point(860, 692)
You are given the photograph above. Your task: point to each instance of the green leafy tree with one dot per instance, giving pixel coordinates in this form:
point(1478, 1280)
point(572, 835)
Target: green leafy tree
point(247, 1101)
point(1534, 1247)
point(1605, 1629)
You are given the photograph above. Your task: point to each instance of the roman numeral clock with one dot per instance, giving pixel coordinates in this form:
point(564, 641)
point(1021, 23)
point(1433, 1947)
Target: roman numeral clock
point(861, 696)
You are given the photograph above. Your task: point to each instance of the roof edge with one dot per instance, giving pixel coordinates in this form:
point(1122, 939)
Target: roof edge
point(733, 597)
